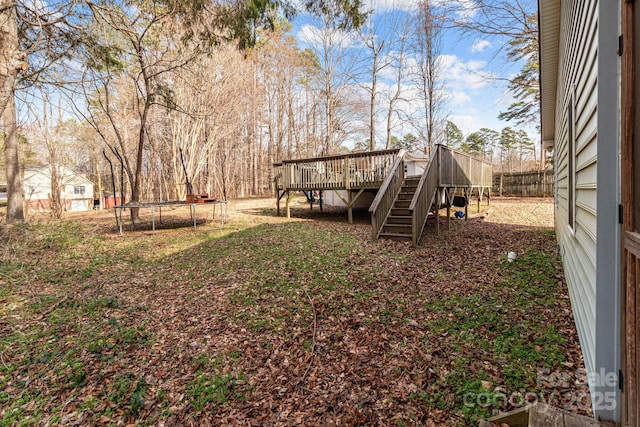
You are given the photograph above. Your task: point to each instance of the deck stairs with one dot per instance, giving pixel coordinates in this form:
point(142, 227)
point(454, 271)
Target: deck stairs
point(398, 224)
point(403, 203)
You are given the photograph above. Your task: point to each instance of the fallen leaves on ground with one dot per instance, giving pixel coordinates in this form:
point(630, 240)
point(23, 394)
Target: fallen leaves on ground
point(269, 321)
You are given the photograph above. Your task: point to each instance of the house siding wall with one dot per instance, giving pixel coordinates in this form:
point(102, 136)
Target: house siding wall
point(588, 81)
point(577, 83)
point(37, 188)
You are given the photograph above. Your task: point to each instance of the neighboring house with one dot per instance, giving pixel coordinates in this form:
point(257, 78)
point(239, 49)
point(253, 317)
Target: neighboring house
point(588, 117)
point(76, 191)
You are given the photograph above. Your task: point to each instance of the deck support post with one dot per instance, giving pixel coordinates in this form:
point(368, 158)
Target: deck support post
point(349, 207)
point(480, 194)
point(446, 192)
point(437, 203)
point(320, 191)
point(289, 197)
point(467, 195)
point(352, 201)
point(278, 201)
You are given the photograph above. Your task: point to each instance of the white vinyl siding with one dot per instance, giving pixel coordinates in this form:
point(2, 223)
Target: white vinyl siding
point(578, 75)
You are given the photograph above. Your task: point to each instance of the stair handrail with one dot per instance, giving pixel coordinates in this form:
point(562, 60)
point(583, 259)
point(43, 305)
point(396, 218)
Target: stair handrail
point(424, 196)
point(383, 202)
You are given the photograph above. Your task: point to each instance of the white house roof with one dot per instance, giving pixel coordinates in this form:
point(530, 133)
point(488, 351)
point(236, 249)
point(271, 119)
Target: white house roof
point(549, 27)
point(68, 175)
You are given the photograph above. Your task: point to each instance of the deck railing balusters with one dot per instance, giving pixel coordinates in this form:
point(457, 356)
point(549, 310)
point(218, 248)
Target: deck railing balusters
point(348, 171)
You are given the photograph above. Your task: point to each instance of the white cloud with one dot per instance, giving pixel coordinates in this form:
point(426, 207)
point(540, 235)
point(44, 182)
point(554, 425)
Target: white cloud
point(387, 5)
point(461, 75)
point(458, 98)
point(480, 45)
point(464, 10)
point(315, 36)
point(469, 121)
point(467, 10)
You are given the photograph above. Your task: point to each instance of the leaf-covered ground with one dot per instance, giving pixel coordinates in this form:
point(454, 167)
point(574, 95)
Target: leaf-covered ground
point(269, 321)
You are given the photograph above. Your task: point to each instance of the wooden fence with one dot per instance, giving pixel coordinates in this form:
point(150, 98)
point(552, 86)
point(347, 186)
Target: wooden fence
point(528, 184)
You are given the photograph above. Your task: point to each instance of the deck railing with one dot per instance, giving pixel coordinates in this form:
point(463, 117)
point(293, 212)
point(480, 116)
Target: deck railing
point(354, 170)
point(277, 177)
point(459, 169)
point(424, 196)
point(383, 202)
point(447, 168)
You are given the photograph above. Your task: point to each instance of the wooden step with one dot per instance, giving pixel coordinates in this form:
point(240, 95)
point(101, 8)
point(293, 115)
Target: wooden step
point(397, 228)
point(398, 219)
point(400, 212)
point(395, 236)
point(541, 414)
point(402, 204)
point(405, 195)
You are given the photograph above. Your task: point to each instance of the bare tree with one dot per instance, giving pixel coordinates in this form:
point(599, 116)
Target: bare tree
point(517, 21)
point(399, 58)
point(375, 44)
point(336, 73)
point(428, 47)
point(34, 38)
point(47, 131)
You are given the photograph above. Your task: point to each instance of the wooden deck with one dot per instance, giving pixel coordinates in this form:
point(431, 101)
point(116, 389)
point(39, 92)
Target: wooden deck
point(447, 172)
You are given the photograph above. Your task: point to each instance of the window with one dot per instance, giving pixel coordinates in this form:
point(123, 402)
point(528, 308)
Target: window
point(571, 166)
point(78, 189)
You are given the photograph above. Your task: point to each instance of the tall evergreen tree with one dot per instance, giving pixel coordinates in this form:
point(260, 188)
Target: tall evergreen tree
point(525, 86)
point(453, 135)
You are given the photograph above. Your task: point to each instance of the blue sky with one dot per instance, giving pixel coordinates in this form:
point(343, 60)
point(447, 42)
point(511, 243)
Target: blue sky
point(474, 76)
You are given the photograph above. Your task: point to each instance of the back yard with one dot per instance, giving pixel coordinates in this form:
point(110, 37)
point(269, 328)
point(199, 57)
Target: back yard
point(268, 321)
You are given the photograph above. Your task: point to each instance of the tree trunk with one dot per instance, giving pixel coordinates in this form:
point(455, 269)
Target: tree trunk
point(137, 186)
point(99, 182)
point(372, 105)
point(15, 190)
point(10, 62)
point(54, 198)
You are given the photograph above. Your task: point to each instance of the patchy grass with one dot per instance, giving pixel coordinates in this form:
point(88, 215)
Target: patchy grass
point(310, 317)
point(504, 327)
